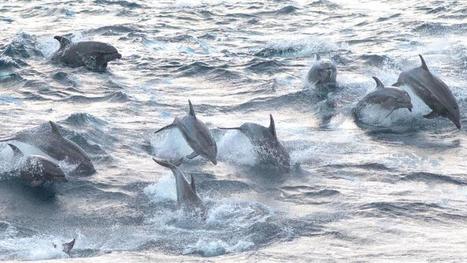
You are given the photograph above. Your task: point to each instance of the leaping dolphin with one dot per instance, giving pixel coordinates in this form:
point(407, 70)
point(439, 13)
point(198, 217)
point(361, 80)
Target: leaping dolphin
point(388, 98)
point(433, 91)
point(36, 170)
point(196, 134)
point(50, 141)
point(267, 145)
point(91, 54)
point(186, 192)
point(323, 75)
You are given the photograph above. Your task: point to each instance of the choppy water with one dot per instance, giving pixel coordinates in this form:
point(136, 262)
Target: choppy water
point(360, 193)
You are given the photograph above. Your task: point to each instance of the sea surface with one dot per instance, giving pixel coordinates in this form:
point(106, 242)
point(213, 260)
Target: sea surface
point(393, 191)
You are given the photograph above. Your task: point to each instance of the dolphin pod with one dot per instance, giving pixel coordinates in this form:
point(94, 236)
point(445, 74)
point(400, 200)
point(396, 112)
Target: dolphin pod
point(36, 170)
point(50, 141)
point(196, 134)
point(186, 192)
point(267, 145)
point(91, 54)
point(390, 99)
point(433, 91)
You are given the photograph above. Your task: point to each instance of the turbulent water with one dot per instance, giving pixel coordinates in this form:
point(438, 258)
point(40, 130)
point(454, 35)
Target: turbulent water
point(394, 190)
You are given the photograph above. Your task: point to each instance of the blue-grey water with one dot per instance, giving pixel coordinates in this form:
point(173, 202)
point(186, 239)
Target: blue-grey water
point(393, 193)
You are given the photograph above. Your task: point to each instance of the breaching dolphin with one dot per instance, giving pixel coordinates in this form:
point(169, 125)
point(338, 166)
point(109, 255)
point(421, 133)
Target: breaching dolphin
point(91, 54)
point(196, 134)
point(51, 142)
point(186, 192)
point(266, 143)
point(388, 98)
point(67, 247)
point(36, 170)
point(323, 75)
point(433, 91)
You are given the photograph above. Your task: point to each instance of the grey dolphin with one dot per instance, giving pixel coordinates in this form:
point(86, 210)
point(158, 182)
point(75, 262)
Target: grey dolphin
point(433, 91)
point(51, 142)
point(36, 170)
point(91, 54)
point(197, 135)
point(323, 75)
point(388, 98)
point(267, 145)
point(186, 192)
point(67, 247)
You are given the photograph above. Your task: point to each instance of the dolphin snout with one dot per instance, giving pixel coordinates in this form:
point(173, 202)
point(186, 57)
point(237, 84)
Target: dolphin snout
point(118, 56)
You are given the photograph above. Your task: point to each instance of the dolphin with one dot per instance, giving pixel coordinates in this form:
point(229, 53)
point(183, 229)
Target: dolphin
point(36, 170)
point(323, 75)
point(67, 247)
point(388, 98)
point(186, 192)
point(91, 54)
point(433, 91)
point(196, 134)
point(267, 145)
point(51, 142)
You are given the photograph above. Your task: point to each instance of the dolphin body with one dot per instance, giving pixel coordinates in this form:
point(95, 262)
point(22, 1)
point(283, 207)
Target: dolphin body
point(433, 91)
point(50, 141)
point(91, 54)
point(36, 170)
point(323, 75)
point(388, 98)
point(197, 135)
point(186, 192)
point(267, 145)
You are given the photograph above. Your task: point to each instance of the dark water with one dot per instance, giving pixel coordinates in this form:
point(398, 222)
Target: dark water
point(394, 193)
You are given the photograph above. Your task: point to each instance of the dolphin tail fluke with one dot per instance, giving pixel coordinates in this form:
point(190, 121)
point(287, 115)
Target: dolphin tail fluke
point(16, 151)
point(166, 127)
point(67, 247)
point(379, 84)
point(229, 128)
point(424, 66)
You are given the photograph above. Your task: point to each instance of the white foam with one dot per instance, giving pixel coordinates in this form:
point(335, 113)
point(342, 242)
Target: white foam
point(163, 190)
point(170, 144)
point(234, 147)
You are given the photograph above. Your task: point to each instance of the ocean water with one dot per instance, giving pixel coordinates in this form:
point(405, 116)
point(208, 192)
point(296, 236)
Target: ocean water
point(393, 191)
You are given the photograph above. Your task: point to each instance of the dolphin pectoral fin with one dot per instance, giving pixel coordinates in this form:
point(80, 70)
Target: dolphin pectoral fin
point(17, 153)
point(431, 115)
point(67, 247)
point(166, 127)
point(390, 113)
point(192, 155)
point(397, 84)
point(8, 139)
point(169, 164)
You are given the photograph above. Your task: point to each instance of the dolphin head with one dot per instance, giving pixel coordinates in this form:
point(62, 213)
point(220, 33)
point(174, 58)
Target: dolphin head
point(46, 169)
point(454, 116)
point(322, 72)
point(64, 42)
point(404, 101)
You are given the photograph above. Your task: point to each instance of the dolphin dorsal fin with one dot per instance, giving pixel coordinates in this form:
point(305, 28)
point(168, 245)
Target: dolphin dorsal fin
point(192, 111)
point(193, 187)
point(16, 151)
point(272, 126)
point(64, 42)
point(424, 66)
point(54, 128)
point(379, 84)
